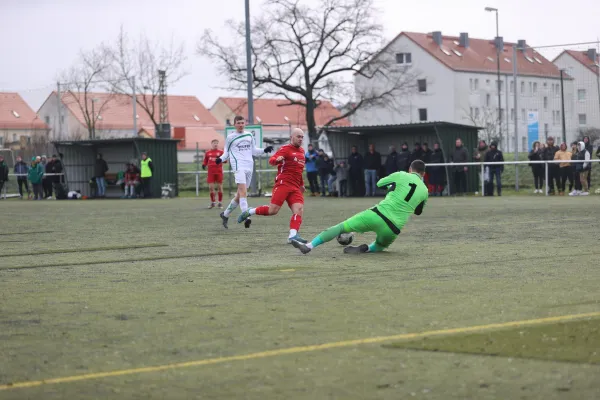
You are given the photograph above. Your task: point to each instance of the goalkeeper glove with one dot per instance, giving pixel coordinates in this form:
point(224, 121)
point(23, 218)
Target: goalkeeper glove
point(218, 160)
point(268, 149)
point(204, 167)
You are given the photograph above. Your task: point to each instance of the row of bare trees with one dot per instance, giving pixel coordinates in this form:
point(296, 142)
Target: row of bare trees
point(121, 68)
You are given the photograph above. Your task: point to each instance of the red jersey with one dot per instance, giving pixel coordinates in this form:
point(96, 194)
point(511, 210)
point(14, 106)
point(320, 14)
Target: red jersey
point(209, 159)
point(290, 169)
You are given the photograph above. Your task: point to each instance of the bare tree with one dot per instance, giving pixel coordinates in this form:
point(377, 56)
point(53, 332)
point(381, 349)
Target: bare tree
point(87, 76)
point(140, 62)
point(310, 54)
point(592, 133)
point(488, 120)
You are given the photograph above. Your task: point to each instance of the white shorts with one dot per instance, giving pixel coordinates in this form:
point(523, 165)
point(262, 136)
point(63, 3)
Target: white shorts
point(243, 176)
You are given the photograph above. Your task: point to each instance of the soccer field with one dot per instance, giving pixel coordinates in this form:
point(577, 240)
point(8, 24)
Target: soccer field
point(478, 298)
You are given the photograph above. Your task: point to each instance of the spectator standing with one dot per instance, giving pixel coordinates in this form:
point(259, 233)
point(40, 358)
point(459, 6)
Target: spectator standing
point(494, 155)
point(356, 164)
point(583, 170)
point(21, 170)
point(426, 159)
point(57, 169)
point(565, 168)
point(553, 168)
point(590, 148)
point(404, 158)
point(417, 153)
point(479, 156)
point(325, 167)
point(437, 175)
point(391, 161)
point(372, 166)
point(460, 155)
point(341, 172)
point(36, 175)
point(100, 169)
point(575, 174)
point(312, 173)
point(538, 170)
point(147, 170)
point(3, 174)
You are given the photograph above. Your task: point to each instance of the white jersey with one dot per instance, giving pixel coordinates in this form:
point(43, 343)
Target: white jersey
point(239, 148)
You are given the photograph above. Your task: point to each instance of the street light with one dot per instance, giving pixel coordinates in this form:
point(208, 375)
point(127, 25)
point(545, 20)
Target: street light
point(94, 100)
point(492, 9)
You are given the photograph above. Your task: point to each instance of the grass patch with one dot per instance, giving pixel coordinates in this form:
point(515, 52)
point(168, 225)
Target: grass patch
point(573, 341)
point(84, 250)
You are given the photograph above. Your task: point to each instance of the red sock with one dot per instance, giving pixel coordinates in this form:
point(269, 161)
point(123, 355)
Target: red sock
point(295, 222)
point(220, 197)
point(262, 210)
point(212, 197)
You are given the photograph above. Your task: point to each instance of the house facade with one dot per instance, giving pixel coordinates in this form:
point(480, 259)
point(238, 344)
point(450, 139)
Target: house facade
point(19, 124)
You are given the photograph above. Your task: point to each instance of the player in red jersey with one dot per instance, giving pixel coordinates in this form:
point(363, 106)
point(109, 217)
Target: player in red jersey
point(289, 185)
point(215, 173)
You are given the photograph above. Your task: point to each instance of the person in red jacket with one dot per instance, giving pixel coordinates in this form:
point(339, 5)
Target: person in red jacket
point(215, 173)
point(289, 185)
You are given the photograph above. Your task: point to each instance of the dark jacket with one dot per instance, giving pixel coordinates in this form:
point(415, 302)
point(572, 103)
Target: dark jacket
point(57, 168)
point(426, 156)
point(494, 155)
point(548, 154)
point(536, 155)
point(459, 155)
point(100, 168)
point(437, 175)
point(579, 167)
point(391, 163)
point(355, 162)
point(325, 166)
point(3, 171)
point(404, 160)
point(373, 161)
point(21, 168)
point(417, 154)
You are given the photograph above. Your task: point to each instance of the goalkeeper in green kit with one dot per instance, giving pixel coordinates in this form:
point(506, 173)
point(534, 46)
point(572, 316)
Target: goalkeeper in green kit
point(406, 195)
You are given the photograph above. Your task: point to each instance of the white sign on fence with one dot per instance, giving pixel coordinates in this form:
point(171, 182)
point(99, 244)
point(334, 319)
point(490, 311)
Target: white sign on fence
point(255, 130)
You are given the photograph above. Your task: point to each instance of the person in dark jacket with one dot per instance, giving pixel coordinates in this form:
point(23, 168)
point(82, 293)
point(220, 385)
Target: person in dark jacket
point(425, 158)
point(372, 166)
point(494, 155)
point(404, 158)
point(539, 172)
point(48, 180)
point(437, 175)
point(312, 173)
point(391, 161)
point(356, 164)
point(553, 168)
point(21, 170)
point(590, 149)
point(460, 155)
point(100, 169)
point(325, 167)
point(3, 174)
point(417, 153)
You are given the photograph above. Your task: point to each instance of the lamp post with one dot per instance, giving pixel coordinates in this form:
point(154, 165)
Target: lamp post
point(94, 119)
point(492, 9)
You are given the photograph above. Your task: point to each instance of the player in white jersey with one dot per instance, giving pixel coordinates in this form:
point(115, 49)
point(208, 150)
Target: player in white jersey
point(240, 147)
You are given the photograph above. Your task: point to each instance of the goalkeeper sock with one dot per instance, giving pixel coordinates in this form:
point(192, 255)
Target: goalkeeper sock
point(375, 247)
point(243, 204)
point(262, 210)
point(232, 206)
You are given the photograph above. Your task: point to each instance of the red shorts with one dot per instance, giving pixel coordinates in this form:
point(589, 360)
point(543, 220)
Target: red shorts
point(214, 177)
point(291, 194)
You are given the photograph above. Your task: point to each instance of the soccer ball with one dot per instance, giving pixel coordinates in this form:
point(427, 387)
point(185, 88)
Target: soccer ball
point(345, 238)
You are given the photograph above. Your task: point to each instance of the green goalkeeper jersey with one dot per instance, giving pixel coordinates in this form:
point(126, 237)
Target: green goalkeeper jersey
point(406, 194)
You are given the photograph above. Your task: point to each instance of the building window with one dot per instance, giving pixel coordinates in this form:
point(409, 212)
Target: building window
point(582, 119)
point(403, 58)
point(512, 86)
point(476, 112)
point(557, 89)
point(502, 113)
point(534, 87)
point(530, 87)
point(512, 114)
point(558, 117)
point(522, 87)
point(476, 83)
point(487, 82)
point(545, 103)
point(581, 94)
point(472, 113)
point(14, 137)
point(422, 84)
point(545, 85)
point(1, 141)
point(546, 130)
point(47, 119)
point(500, 85)
point(488, 100)
point(524, 144)
point(422, 114)
point(523, 114)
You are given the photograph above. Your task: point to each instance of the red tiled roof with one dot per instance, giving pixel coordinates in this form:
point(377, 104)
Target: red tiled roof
point(583, 58)
point(118, 111)
point(474, 58)
point(27, 118)
point(273, 111)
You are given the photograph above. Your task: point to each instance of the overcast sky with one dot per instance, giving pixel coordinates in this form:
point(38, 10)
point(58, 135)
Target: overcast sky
point(40, 38)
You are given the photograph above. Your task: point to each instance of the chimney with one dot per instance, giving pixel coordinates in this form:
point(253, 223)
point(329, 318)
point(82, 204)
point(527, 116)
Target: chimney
point(499, 43)
point(592, 55)
point(522, 45)
point(437, 37)
point(464, 40)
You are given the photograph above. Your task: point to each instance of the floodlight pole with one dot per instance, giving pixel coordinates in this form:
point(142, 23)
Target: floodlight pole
point(249, 81)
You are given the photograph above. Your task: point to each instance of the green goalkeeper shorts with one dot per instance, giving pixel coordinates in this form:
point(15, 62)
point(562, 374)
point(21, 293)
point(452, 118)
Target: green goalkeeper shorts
point(369, 221)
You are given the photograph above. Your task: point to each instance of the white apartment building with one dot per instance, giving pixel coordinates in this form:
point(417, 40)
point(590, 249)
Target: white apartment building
point(584, 67)
point(456, 81)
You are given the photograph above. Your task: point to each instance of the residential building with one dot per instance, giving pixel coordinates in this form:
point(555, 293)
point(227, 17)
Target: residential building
point(584, 67)
point(114, 114)
point(277, 116)
point(19, 124)
point(456, 81)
